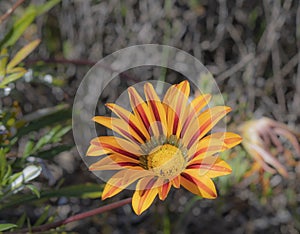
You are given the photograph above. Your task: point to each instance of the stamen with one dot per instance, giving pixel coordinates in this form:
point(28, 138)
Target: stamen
point(166, 161)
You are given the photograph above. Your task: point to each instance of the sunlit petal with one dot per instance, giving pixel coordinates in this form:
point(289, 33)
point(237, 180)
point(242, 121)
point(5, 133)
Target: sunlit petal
point(120, 181)
point(210, 166)
point(199, 185)
point(144, 195)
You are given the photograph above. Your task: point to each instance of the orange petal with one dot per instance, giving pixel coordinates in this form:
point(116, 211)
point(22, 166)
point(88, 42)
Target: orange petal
point(144, 194)
point(210, 166)
point(206, 147)
point(164, 189)
point(176, 181)
point(120, 181)
point(119, 126)
point(176, 101)
point(140, 130)
point(211, 117)
point(96, 150)
point(200, 185)
point(105, 164)
point(115, 162)
point(192, 112)
point(230, 139)
point(207, 120)
point(142, 112)
point(184, 87)
point(117, 145)
point(214, 143)
point(200, 102)
point(156, 108)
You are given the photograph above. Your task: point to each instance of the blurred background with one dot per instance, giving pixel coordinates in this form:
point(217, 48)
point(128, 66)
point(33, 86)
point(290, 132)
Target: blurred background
point(252, 48)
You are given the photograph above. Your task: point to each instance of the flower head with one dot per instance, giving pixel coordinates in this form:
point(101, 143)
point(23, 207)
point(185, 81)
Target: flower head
point(262, 142)
point(162, 143)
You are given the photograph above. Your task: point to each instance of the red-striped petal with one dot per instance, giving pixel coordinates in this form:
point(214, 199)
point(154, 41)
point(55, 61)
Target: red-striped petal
point(142, 112)
point(207, 120)
point(210, 166)
point(199, 185)
point(164, 189)
point(141, 133)
point(144, 195)
point(156, 108)
point(121, 180)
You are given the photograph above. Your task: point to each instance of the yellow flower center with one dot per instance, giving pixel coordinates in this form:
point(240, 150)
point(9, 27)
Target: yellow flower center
point(166, 160)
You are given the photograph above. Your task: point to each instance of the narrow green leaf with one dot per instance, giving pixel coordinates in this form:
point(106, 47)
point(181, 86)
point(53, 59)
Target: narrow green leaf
point(7, 226)
point(82, 191)
point(18, 28)
point(49, 154)
point(21, 220)
point(11, 78)
point(46, 138)
point(3, 164)
point(46, 7)
point(34, 189)
point(61, 133)
point(22, 54)
point(7, 175)
point(43, 217)
point(46, 120)
point(28, 148)
point(3, 62)
point(15, 70)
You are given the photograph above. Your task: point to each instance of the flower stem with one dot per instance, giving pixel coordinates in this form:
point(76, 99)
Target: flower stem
point(77, 217)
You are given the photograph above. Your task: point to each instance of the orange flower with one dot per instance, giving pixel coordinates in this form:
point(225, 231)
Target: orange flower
point(162, 143)
point(262, 142)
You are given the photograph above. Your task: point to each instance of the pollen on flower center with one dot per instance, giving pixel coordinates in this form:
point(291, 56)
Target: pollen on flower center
point(166, 160)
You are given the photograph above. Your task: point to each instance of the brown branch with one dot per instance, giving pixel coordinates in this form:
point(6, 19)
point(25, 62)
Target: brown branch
point(81, 62)
point(77, 217)
point(10, 10)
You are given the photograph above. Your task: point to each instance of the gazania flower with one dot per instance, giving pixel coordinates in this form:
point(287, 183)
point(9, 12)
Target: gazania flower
point(162, 143)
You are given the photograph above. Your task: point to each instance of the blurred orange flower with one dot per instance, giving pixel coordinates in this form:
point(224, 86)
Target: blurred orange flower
point(162, 143)
point(262, 142)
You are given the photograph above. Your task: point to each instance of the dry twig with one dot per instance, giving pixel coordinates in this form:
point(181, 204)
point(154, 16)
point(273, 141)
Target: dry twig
point(10, 10)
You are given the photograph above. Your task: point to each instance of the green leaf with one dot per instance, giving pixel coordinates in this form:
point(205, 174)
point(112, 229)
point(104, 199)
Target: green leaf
point(18, 28)
point(7, 175)
point(15, 70)
point(46, 7)
point(22, 54)
point(60, 133)
point(3, 62)
point(46, 139)
point(28, 148)
point(21, 220)
point(82, 191)
point(61, 114)
point(43, 217)
point(49, 154)
point(11, 78)
point(7, 226)
point(34, 189)
point(3, 164)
